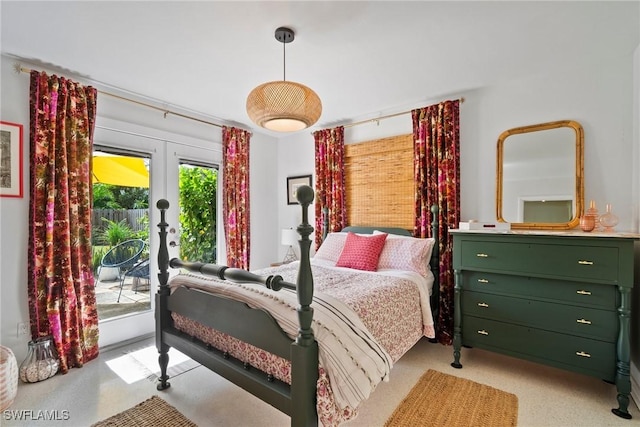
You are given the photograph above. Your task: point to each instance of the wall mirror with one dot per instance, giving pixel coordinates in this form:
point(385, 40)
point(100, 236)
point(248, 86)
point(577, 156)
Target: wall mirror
point(540, 183)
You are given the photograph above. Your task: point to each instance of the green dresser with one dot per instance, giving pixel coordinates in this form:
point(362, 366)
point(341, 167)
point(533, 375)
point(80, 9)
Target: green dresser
point(558, 298)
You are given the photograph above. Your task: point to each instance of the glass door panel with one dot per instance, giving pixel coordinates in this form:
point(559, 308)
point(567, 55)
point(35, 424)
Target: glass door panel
point(198, 186)
point(120, 233)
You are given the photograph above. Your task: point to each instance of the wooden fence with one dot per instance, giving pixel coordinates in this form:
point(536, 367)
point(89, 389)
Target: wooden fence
point(132, 216)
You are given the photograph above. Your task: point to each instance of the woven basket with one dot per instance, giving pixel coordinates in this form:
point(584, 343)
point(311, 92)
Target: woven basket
point(8, 377)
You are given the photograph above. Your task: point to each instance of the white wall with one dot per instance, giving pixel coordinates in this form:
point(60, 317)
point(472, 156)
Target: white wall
point(14, 213)
point(295, 158)
point(600, 99)
point(14, 107)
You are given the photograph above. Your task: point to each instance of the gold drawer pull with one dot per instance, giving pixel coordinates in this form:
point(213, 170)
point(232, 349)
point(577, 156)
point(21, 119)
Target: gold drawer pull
point(483, 281)
point(483, 332)
point(584, 321)
point(583, 262)
point(483, 304)
point(482, 255)
point(582, 354)
point(583, 292)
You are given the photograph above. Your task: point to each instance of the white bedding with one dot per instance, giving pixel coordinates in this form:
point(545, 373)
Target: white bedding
point(354, 361)
point(425, 286)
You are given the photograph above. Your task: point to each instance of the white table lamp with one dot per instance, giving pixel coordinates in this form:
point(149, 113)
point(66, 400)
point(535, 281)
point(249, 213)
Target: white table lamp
point(289, 238)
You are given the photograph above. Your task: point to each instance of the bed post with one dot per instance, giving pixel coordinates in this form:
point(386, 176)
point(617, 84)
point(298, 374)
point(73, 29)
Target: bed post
point(162, 311)
point(304, 351)
point(325, 222)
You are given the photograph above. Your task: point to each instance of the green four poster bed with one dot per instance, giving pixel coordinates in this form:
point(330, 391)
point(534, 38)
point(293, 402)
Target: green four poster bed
point(314, 354)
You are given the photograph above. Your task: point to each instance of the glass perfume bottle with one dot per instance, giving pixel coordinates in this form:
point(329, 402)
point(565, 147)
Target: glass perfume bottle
point(587, 223)
point(590, 220)
point(609, 220)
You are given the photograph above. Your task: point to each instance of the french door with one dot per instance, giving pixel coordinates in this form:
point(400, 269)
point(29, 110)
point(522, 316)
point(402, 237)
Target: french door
point(179, 157)
point(164, 159)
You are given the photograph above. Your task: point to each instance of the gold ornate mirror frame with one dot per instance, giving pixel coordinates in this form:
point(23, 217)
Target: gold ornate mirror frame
point(578, 205)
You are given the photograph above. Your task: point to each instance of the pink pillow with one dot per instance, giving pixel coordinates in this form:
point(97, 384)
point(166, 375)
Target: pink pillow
point(406, 253)
point(331, 247)
point(361, 253)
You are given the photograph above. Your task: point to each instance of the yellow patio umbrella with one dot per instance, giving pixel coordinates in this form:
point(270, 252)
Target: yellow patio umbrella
point(120, 170)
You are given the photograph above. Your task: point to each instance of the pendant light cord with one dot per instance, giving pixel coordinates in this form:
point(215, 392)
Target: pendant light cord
point(284, 61)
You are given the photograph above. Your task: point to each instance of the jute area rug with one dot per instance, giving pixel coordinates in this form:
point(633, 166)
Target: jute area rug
point(445, 400)
point(153, 412)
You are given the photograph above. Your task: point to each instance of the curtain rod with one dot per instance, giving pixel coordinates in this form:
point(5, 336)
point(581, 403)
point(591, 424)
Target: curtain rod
point(166, 112)
point(384, 117)
point(156, 138)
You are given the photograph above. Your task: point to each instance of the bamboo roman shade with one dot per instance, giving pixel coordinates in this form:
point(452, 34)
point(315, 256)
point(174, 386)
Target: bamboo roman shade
point(379, 182)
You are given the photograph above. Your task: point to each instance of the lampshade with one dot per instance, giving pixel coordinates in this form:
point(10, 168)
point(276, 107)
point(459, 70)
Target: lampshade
point(289, 237)
point(283, 106)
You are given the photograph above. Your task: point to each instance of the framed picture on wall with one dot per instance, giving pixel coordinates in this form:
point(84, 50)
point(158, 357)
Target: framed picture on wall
point(10, 159)
point(293, 183)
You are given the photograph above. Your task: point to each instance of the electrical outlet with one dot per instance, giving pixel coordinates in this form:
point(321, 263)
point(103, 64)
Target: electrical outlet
point(23, 328)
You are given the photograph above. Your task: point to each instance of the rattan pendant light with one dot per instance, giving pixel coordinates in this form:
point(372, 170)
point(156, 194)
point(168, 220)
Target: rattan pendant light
point(283, 106)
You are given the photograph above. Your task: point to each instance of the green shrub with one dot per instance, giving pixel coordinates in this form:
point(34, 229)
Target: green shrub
point(115, 232)
point(143, 234)
point(98, 253)
point(198, 213)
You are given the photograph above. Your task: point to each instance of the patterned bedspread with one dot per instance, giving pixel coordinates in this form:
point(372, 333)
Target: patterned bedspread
point(390, 310)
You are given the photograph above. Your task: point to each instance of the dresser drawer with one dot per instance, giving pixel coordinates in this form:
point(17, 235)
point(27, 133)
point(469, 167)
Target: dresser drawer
point(594, 357)
point(577, 293)
point(568, 319)
point(592, 263)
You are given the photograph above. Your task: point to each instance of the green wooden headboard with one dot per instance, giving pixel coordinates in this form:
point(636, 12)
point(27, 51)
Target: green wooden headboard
point(369, 230)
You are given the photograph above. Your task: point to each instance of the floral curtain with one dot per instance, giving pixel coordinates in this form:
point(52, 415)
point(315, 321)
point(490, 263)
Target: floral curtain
point(62, 301)
point(235, 205)
point(330, 196)
point(436, 133)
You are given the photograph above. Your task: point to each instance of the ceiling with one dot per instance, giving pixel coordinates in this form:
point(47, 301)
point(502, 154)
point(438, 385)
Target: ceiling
point(364, 59)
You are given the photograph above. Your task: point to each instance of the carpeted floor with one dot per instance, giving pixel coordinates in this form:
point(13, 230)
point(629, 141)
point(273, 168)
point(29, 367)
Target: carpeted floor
point(547, 397)
point(140, 363)
point(153, 412)
point(440, 399)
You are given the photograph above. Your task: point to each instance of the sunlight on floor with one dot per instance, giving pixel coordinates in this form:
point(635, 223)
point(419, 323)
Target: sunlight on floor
point(142, 364)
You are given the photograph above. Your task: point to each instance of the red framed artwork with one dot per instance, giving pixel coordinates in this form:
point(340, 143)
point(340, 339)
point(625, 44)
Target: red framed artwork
point(10, 159)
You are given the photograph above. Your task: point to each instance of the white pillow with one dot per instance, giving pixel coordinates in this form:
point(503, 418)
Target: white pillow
point(406, 253)
point(331, 247)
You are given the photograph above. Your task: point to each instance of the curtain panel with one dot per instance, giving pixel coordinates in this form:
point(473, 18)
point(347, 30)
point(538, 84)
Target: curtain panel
point(330, 197)
point(60, 286)
point(436, 133)
point(235, 202)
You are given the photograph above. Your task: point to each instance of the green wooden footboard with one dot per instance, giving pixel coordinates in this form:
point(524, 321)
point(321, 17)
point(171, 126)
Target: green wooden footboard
point(253, 326)
point(257, 327)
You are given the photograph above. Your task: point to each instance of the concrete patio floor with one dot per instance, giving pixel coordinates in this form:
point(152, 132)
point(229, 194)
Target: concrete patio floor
point(135, 297)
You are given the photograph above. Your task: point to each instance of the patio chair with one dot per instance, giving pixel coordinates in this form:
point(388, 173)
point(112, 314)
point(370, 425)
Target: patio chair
point(138, 272)
point(123, 257)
